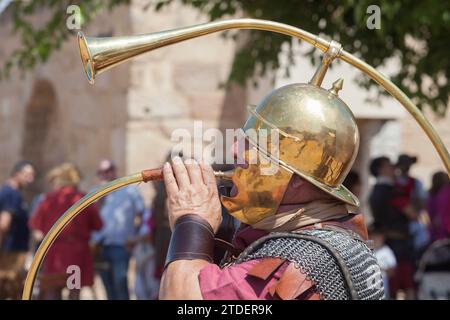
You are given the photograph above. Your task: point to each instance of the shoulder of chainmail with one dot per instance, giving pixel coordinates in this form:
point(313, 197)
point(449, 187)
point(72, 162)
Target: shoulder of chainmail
point(341, 266)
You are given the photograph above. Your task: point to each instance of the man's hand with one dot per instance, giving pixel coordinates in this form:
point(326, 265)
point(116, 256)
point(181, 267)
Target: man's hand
point(191, 189)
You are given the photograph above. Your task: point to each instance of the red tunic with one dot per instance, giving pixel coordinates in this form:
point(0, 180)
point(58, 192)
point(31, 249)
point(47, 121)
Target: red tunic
point(251, 280)
point(236, 282)
point(71, 247)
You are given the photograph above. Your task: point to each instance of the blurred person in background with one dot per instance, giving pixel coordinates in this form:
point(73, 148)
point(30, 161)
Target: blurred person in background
point(353, 183)
point(410, 190)
point(410, 197)
point(160, 218)
point(146, 286)
point(36, 236)
point(14, 233)
point(71, 248)
point(121, 213)
point(438, 206)
point(384, 214)
point(395, 225)
point(162, 233)
point(385, 257)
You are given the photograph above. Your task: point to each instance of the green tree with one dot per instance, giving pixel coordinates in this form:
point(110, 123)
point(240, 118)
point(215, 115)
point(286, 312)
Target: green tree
point(414, 32)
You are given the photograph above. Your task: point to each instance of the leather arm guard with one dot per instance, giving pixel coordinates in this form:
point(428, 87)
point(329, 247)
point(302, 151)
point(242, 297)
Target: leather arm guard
point(192, 238)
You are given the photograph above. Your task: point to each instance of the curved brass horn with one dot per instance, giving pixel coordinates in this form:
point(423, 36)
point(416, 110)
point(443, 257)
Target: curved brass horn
point(99, 54)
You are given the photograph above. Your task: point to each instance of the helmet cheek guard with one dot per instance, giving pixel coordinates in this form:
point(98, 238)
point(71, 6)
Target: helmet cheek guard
point(260, 188)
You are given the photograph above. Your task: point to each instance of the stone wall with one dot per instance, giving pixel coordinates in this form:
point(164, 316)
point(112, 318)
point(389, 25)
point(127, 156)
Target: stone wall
point(172, 87)
point(85, 123)
point(131, 111)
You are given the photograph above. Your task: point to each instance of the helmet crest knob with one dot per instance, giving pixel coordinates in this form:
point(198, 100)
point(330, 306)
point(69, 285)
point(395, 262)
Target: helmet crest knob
point(337, 86)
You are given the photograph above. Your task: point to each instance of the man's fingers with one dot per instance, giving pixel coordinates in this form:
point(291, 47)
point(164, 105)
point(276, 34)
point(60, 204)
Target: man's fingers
point(208, 176)
point(194, 171)
point(181, 173)
point(169, 179)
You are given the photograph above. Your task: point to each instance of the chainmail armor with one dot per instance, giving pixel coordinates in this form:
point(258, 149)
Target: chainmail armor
point(342, 267)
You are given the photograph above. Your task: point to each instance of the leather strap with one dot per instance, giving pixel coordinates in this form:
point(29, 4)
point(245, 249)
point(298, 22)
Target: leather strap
point(227, 246)
point(355, 223)
point(292, 284)
point(264, 269)
point(192, 238)
point(311, 294)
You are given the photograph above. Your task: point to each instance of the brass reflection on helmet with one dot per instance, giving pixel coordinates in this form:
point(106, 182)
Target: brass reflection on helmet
point(260, 188)
point(318, 135)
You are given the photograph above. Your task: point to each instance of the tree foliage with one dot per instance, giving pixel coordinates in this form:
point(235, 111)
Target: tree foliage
point(415, 33)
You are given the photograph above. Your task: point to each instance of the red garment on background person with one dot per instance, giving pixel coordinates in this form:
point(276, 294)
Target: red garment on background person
point(71, 247)
point(403, 193)
point(439, 211)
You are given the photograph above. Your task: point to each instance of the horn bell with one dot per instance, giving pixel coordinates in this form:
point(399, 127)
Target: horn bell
point(86, 57)
point(99, 54)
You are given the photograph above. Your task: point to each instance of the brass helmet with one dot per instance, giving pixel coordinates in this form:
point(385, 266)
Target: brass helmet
point(318, 139)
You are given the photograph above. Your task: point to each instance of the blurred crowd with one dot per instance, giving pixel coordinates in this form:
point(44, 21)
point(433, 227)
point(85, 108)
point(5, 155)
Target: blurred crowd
point(118, 228)
point(407, 219)
point(101, 240)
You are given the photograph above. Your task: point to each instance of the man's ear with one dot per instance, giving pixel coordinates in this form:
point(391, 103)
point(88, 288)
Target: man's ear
point(297, 181)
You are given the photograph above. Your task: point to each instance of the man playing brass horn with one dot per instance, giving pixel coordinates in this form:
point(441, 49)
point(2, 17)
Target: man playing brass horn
point(300, 237)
